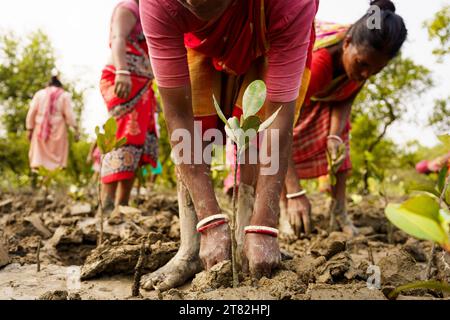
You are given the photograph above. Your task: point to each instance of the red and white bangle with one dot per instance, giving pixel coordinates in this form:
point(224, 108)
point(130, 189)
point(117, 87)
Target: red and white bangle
point(262, 230)
point(335, 137)
point(211, 222)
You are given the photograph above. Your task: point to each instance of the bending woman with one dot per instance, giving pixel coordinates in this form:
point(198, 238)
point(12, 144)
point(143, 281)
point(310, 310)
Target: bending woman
point(344, 58)
point(229, 45)
point(126, 88)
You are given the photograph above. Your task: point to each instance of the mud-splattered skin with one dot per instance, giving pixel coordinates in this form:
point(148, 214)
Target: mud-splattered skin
point(215, 244)
point(262, 254)
point(262, 251)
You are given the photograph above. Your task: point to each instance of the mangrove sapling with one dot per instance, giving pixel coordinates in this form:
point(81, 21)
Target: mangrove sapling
point(106, 143)
point(427, 217)
point(333, 168)
point(242, 132)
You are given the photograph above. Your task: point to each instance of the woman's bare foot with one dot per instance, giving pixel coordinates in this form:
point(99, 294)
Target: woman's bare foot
point(186, 262)
point(175, 273)
point(342, 221)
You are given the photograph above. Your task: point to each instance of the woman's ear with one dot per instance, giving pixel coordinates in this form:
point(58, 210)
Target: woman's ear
point(347, 41)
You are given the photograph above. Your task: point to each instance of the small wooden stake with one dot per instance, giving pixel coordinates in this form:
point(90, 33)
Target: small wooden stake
point(138, 271)
point(38, 252)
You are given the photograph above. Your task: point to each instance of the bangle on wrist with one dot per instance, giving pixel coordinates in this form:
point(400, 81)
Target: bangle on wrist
point(335, 137)
point(262, 230)
point(296, 195)
point(210, 222)
point(122, 72)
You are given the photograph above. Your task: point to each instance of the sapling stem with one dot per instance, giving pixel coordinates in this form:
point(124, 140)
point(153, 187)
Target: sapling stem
point(100, 205)
point(233, 226)
point(369, 251)
point(38, 253)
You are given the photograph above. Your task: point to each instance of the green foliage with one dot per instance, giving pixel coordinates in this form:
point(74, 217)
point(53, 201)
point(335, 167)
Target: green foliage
point(47, 177)
point(440, 118)
point(427, 215)
point(367, 164)
point(242, 132)
point(78, 171)
point(439, 29)
point(107, 141)
point(433, 285)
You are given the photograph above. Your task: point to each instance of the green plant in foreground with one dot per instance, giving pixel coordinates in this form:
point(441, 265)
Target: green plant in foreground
point(47, 178)
point(425, 216)
point(106, 143)
point(242, 132)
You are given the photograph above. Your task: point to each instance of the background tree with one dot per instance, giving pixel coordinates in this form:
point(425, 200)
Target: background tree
point(26, 65)
point(439, 30)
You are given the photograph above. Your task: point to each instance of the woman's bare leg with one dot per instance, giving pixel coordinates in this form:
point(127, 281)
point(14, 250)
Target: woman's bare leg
point(123, 192)
point(186, 262)
point(339, 204)
point(108, 195)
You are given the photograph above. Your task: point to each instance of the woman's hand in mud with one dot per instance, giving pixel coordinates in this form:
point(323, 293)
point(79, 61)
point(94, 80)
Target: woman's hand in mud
point(262, 254)
point(337, 152)
point(299, 212)
point(122, 86)
point(215, 246)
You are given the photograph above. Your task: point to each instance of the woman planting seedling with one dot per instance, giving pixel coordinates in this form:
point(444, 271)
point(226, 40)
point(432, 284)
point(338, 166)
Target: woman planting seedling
point(229, 46)
point(344, 58)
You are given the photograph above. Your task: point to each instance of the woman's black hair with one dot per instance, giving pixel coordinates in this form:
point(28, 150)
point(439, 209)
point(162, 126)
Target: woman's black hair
point(388, 37)
point(54, 82)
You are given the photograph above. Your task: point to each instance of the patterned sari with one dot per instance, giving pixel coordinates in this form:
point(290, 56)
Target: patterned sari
point(238, 64)
point(313, 128)
point(134, 115)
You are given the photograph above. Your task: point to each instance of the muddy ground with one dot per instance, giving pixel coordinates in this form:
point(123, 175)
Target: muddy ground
point(323, 266)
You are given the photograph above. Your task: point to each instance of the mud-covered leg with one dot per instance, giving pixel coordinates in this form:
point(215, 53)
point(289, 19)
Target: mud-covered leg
point(286, 230)
point(338, 208)
point(186, 262)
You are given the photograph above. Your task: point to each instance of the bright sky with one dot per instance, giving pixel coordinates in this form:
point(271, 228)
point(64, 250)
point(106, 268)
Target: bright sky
point(79, 29)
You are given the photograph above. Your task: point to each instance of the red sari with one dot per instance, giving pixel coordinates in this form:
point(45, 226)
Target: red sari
point(134, 115)
point(310, 134)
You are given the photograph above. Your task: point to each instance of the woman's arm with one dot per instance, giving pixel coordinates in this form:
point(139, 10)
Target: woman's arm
point(177, 107)
point(340, 113)
point(31, 117)
point(123, 23)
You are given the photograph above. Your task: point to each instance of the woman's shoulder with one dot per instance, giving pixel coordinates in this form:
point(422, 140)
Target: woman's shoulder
point(130, 5)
